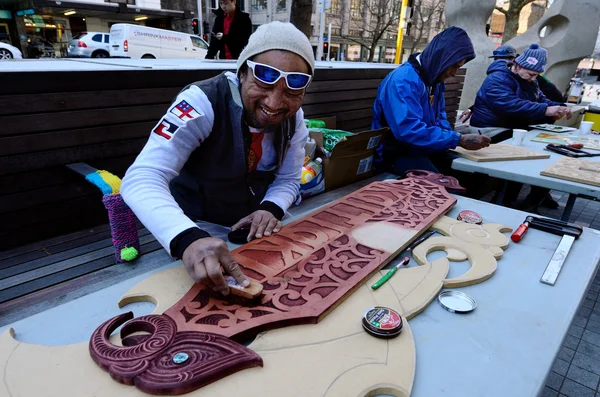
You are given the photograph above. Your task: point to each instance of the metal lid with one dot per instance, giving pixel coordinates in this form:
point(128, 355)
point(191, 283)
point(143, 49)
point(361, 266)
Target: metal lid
point(456, 302)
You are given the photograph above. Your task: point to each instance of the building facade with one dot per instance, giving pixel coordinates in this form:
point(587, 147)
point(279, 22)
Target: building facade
point(33, 24)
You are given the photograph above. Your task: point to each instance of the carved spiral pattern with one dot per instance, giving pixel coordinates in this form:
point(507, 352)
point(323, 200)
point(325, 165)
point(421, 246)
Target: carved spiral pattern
point(150, 365)
point(313, 262)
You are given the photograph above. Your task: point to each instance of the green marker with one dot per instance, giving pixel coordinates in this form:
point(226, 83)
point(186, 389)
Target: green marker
point(403, 262)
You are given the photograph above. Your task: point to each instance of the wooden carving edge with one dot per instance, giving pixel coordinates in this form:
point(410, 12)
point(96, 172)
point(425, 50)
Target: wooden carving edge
point(483, 263)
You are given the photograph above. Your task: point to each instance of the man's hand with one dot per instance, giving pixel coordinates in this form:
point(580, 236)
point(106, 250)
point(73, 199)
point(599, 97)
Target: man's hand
point(568, 112)
point(262, 223)
point(466, 115)
point(219, 36)
point(206, 258)
point(557, 112)
point(474, 141)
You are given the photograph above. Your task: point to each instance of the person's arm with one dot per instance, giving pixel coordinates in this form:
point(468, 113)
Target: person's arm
point(501, 96)
point(145, 187)
point(213, 46)
point(549, 90)
point(284, 189)
point(404, 114)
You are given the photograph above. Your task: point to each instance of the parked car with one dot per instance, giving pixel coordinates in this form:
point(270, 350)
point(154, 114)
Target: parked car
point(89, 45)
point(134, 41)
point(8, 51)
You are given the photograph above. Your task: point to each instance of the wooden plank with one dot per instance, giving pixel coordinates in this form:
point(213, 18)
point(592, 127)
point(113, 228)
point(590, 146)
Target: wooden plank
point(75, 81)
point(61, 101)
point(454, 87)
point(39, 301)
point(455, 79)
point(452, 94)
point(42, 245)
point(338, 96)
point(342, 85)
point(46, 122)
point(356, 125)
point(33, 143)
point(58, 175)
point(451, 108)
point(49, 195)
point(42, 271)
point(452, 101)
point(25, 162)
point(337, 107)
point(350, 74)
point(65, 275)
point(353, 115)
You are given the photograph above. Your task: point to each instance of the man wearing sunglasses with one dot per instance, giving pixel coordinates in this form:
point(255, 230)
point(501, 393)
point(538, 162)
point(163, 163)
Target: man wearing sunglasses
point(229, 151)
point(410, 100)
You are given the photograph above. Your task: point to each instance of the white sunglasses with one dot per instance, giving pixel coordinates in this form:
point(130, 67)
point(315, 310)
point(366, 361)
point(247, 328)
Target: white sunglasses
point(269, 75)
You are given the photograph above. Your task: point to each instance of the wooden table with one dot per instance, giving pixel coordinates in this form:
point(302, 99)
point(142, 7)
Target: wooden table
point(528, 171)
point(506, 347)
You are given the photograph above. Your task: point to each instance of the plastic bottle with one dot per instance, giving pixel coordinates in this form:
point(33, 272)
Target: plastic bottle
point(310, 149)
point(311, 170)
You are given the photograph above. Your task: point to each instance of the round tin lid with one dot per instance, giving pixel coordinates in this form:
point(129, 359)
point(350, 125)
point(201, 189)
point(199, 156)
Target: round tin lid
point(470, 217)
point(456, 302)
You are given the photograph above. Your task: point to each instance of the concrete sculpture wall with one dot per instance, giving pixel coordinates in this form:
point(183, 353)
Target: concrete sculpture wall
point(570, 35)
point(472, 15)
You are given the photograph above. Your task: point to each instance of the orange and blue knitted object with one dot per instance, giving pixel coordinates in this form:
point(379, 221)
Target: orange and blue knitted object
point(122, 220)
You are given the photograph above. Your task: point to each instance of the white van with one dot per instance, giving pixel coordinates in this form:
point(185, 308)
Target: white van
point(135, 41)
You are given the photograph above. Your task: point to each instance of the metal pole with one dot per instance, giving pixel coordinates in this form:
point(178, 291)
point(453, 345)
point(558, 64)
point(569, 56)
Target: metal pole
point(208, 4)
point(321, 31)
point(401, 23)
point(199, 15)
point(329, 41)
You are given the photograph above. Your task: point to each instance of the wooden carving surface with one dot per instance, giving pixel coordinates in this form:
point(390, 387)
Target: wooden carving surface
point(315, 262)
point(500, 152)
point(575, 170)
point(449, 182)
point(167, 361)
point(334, 358)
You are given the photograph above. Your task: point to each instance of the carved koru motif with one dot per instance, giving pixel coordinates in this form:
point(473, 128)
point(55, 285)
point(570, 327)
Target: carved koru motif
point(449, 182)
point(167, 362)
point(314, 262)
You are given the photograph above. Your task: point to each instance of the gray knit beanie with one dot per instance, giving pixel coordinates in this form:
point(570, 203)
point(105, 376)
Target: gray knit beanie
point(278, 36)
point(533, 58)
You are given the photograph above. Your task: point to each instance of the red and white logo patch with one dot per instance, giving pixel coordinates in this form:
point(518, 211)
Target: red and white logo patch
point(184, 111)
point(165, 129)
point(532, 61)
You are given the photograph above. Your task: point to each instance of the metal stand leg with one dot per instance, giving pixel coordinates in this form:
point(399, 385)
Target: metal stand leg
point(501, 192)
point(568, 208)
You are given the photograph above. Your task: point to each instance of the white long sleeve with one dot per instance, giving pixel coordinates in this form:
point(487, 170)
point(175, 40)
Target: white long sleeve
point(145, 187)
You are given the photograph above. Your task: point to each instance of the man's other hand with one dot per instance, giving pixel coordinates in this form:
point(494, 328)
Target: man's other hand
point(474, 141)
point(466, 115)
point(556, 112)
point(206, 258)
point(262, 223)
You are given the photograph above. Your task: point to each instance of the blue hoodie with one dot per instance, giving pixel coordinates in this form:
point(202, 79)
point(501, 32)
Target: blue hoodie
point(506, 100)
point(402, 103)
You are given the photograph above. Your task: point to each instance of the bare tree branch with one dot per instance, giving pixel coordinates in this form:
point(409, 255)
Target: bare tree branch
point(502, 10)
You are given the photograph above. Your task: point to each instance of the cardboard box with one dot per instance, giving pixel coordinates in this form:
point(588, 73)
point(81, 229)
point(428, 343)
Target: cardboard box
point(352, 157)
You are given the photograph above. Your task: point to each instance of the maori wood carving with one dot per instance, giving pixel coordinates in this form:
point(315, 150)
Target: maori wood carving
point(575, 170)
point(500, 152)
point(167, 361)
point(315, 262)
point(449, 182)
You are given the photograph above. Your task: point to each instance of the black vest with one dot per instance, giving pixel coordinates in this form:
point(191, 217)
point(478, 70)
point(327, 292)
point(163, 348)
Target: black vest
point(214, 185)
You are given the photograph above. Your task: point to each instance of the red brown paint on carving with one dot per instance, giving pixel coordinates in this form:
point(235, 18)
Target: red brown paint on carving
point(313, 263)
point(152, 363)
point(449, 182)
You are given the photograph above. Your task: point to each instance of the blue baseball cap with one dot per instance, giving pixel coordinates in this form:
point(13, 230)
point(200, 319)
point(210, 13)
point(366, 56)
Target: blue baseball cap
point(504, 51)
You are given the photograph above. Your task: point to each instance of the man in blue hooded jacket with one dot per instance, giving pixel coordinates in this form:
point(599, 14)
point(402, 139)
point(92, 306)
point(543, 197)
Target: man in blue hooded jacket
point(410, 101)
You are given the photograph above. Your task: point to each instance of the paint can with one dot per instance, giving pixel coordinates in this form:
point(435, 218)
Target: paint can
point(382, 322)
point(470, 217)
